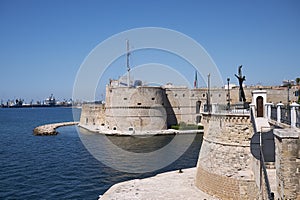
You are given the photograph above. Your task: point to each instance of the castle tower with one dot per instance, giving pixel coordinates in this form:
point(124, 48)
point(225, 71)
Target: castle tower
point(136, 109)
point(225, 164)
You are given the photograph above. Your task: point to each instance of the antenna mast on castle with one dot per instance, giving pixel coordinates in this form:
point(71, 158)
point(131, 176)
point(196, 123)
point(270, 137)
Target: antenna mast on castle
point(127, 62)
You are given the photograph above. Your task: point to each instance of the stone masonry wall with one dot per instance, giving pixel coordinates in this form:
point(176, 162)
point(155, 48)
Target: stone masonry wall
point(224, 166)
point(219, 95)
point(140, 108)
point(287, 161)
point(92, 115)
point(181, 104)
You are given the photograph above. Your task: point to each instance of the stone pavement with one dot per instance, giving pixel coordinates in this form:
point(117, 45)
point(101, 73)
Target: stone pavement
point(272, 180)
point(167, 186)
point(262, 124)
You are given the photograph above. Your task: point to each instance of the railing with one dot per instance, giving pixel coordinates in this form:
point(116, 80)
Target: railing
point(253, 121)
point(264, 177)
point(274, 113)
point(223, 108)
point(286, 115)
point(264, 184)
point(289, 115)
point(298, 117)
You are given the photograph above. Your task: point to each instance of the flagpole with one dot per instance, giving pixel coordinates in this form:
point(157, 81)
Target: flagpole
point(196, 80)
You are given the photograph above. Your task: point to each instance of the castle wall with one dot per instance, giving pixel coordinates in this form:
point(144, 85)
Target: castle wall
point(224, 167)
point(92, 115)
point(182, 105)
point(140, 108)
point(154, 108)
point(219, 95)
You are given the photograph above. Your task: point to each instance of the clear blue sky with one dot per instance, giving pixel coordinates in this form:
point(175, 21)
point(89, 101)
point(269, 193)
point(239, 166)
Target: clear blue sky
point(43, 43)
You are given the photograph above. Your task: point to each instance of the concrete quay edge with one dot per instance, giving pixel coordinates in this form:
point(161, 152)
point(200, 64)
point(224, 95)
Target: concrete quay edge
point(95, 129)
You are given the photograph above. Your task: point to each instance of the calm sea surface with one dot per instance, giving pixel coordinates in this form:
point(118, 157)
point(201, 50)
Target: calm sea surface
point(60, 167)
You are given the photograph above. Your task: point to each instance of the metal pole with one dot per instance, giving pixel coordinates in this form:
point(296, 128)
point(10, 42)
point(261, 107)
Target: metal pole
point(288, 94)
point(127, 63)
point(228, 79)
point(260, 165)
point(208, 93)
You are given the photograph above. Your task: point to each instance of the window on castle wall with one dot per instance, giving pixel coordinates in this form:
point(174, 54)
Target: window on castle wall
point(153, 99)
point(183, 95)
point(203, 95)
point(114, 128)
point(125, 98)
point(198, 104)
point(139, 104)
point(175, 95)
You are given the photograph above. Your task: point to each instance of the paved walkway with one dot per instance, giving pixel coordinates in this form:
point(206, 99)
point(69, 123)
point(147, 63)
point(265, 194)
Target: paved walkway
point(262, 124)
point(167, 186)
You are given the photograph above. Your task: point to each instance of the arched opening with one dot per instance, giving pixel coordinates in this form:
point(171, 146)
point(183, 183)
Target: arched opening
point(259, 106)
point(86, 120)
point(198, 105)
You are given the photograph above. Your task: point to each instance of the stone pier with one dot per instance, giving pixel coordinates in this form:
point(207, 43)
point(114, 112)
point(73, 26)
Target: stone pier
point(50, 129)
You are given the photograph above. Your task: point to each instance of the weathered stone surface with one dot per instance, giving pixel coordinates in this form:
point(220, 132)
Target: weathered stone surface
point(224, 166)
point(167, 186)
point(287, 161)
point(50, 129)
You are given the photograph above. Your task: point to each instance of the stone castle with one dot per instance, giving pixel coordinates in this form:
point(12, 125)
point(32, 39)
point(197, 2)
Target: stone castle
point(145, 108)
point(231, 163)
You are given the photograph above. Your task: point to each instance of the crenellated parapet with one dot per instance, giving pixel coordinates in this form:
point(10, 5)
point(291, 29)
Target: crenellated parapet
point(233, 129)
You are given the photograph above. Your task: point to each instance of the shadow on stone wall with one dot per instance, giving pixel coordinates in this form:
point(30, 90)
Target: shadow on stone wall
point(268, 146)
point(171, 117)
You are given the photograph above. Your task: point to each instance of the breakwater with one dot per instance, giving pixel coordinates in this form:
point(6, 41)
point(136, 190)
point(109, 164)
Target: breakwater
point(50, 129)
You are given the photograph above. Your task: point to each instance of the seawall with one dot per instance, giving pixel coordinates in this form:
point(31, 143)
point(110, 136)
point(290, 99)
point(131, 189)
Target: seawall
point(50, 129)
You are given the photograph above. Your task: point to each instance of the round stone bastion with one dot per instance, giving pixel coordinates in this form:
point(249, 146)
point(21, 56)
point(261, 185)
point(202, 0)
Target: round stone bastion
point(137, 109)
point(225, 163)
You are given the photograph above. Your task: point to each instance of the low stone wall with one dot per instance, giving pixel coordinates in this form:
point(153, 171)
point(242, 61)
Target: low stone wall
point(50, 129)
point(287, 162)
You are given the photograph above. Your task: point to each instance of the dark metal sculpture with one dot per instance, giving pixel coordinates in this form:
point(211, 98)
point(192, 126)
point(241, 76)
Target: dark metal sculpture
point(241, 79)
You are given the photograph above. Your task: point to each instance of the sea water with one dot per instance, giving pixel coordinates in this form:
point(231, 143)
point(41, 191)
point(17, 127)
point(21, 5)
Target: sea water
point(60, 167)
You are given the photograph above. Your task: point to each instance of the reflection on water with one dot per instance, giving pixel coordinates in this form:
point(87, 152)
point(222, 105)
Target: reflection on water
point(136, 154)
point(139, 144)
